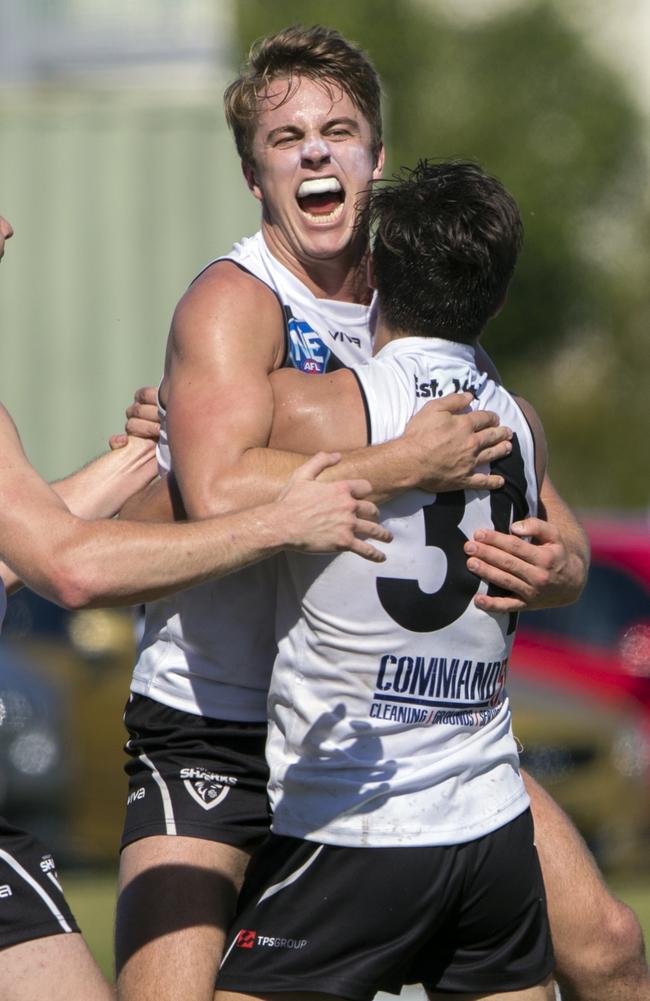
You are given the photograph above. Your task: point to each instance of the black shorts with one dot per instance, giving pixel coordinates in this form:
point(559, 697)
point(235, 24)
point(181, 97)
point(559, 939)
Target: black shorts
point(353, 921)
point(32, 904)
point(194, 776)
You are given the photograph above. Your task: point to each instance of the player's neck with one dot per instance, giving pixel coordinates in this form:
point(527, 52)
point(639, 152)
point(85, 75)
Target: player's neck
point(385, 334)
point(342, 277)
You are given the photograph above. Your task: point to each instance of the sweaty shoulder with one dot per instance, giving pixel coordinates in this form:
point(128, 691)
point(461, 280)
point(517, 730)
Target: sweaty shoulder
point(226, 301)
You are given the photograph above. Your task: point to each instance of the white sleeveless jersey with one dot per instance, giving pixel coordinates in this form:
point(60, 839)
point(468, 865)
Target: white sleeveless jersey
point(389, 719)
point(210, 650)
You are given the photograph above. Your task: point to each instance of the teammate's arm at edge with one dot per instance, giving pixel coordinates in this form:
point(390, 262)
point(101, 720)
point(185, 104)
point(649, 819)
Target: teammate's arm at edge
point(82, 563)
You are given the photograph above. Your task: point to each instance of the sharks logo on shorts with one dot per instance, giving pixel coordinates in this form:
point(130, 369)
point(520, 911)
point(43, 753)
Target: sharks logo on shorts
point(306, 349)
point(205, 787)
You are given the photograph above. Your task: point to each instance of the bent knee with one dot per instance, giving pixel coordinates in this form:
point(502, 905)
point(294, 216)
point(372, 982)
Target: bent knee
point(615, 948)
point(624, 938)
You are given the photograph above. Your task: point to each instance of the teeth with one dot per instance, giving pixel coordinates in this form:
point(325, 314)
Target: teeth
point(318, 186)
point(323, 218)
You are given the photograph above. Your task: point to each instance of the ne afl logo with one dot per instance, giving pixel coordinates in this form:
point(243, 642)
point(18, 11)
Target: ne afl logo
point(307, 351)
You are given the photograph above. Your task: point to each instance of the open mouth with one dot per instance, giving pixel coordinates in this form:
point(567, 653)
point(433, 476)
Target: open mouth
point(321, 198)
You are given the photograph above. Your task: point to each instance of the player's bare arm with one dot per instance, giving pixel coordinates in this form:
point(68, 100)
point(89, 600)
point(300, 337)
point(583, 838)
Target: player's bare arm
point(82, 563)
point(227, 336)
point(100, 488)
point(220, 406)
point(439, 450)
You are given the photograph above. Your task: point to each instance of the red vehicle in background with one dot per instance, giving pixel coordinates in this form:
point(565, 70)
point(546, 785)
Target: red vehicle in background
point(580, 690)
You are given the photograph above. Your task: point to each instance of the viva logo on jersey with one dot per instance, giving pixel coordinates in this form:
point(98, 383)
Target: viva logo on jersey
point(307, 351)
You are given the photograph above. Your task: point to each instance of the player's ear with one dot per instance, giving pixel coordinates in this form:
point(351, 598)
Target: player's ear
point(370, 269)
point(248, 170)
point(379, 164)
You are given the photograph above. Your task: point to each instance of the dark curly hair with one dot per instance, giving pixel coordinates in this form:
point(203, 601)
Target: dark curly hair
point(446, 240)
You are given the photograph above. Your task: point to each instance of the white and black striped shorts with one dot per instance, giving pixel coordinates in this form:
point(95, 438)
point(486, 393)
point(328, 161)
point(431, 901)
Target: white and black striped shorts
point(32, 904)
point(194, 776)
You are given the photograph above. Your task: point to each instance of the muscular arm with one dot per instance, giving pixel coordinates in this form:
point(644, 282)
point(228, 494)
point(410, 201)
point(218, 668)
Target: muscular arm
point(308, 412)
point(227, 337)
point(438, 450)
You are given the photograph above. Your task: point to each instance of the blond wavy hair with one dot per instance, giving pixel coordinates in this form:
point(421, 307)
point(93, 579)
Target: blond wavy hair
point(318, 53)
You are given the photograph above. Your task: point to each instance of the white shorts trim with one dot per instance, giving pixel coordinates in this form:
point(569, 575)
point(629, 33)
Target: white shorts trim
point(47, 900)
point(170, 820)
point(276, 887)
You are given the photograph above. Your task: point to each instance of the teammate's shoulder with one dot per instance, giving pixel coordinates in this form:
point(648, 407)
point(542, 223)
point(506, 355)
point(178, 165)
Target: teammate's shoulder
point(529, 412)
point(537, 430)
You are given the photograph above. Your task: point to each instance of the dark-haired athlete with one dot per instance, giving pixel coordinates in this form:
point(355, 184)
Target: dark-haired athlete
point(402, 848)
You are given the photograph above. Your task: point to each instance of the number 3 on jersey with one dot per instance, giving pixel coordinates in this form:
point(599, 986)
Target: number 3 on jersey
point(422, 612)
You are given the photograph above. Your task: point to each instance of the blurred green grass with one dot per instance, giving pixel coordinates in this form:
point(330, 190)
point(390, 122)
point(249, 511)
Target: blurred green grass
point(92, 897)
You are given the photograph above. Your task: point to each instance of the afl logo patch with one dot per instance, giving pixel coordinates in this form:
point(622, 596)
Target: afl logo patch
point(307, 351)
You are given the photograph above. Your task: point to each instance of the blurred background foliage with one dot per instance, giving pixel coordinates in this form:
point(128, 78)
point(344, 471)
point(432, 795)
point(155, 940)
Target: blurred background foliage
point(521, 93)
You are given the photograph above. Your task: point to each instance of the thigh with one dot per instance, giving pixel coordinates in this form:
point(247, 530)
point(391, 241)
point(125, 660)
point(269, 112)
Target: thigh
point(577, 897)
point(177, 897)
point(32, 904)
point(59, 968)
point(194, 776)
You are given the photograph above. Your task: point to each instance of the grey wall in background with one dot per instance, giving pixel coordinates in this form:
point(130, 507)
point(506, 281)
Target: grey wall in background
point(117, 198)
